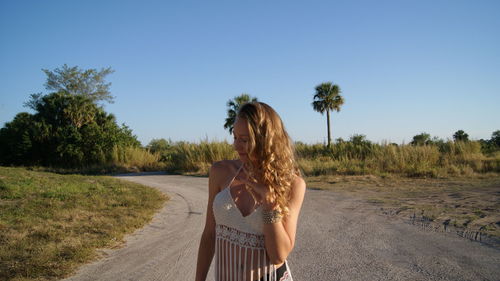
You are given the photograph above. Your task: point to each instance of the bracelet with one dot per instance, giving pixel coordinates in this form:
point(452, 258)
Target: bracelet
point(270, 217)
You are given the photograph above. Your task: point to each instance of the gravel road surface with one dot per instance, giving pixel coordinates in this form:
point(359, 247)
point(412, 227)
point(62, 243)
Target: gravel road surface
point(338, 238)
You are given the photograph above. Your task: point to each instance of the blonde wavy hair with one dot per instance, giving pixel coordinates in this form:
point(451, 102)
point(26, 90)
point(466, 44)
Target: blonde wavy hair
point(271, 152)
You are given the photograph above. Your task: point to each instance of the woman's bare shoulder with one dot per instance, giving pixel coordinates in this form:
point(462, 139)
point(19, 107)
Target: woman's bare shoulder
point(220, 171)
point(223, 165)
point(298, 185)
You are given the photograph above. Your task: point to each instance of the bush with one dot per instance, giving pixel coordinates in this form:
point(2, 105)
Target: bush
point(66, 131)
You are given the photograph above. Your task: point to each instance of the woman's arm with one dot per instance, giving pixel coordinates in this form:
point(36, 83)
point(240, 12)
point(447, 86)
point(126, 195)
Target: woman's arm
point(207, 243)
point(279, 237)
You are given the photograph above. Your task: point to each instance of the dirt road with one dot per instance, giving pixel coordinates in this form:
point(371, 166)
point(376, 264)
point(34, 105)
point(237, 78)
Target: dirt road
point(339, 238)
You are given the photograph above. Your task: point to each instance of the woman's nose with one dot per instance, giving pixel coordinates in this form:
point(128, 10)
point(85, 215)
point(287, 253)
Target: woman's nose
point(238, 145)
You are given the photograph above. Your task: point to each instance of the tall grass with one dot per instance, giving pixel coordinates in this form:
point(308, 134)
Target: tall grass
point(120, 159)
point(135, 159)
point(348, 158)
point(445, 159)
point(197, 157)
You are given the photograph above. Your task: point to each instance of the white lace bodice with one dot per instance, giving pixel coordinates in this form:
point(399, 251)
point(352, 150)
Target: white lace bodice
point(227, 213)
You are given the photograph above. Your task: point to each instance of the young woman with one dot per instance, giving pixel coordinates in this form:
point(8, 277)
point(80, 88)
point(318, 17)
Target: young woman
point(253, 202)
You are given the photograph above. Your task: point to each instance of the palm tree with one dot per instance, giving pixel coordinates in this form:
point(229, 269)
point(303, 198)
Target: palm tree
point(233, 107)
point(327, 98)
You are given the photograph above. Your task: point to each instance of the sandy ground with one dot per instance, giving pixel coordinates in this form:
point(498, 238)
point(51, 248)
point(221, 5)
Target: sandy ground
point(339, 238)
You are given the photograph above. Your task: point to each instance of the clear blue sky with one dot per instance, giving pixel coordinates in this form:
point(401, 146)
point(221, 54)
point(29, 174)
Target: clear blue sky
point(404, 67)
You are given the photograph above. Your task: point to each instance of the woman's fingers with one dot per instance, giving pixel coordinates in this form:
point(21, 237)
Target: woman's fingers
point(257, 189)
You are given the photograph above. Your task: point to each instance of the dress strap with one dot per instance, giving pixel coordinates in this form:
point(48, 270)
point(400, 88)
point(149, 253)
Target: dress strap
point(237, 172)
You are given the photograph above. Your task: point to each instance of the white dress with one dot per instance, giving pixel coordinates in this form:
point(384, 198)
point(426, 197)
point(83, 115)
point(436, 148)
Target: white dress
point(240, 254)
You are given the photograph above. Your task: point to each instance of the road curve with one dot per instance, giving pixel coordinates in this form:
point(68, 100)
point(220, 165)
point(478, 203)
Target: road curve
point(338, 238)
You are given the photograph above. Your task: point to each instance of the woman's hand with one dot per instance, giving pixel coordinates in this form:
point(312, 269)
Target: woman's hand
point(260, 192)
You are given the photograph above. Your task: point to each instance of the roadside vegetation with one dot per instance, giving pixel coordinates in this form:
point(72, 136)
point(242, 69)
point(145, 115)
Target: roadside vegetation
point(359, 156)
point(356, 156)
point(50, 223)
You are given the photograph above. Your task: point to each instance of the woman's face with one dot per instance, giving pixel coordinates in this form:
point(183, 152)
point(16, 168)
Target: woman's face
point(241, 138)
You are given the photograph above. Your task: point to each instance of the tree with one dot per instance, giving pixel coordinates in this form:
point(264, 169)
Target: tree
point(421, 139)
point(326, 99)
point(53, 137)
point(460, 135)
point(68, 129)
point(359, 139)
point(491, 145)
point(162, 147)
point(233, 107)
point(16, 140)
point(159, 145)
point(88, 83)
point(339, 140)
point(495, 138)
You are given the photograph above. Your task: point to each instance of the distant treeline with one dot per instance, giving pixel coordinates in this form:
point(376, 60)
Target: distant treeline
point(432, 158)
point(356, 156)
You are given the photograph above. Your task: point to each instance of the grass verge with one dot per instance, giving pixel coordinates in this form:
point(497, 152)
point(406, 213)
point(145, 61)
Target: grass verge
point(468, 203)
point(50, 223)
